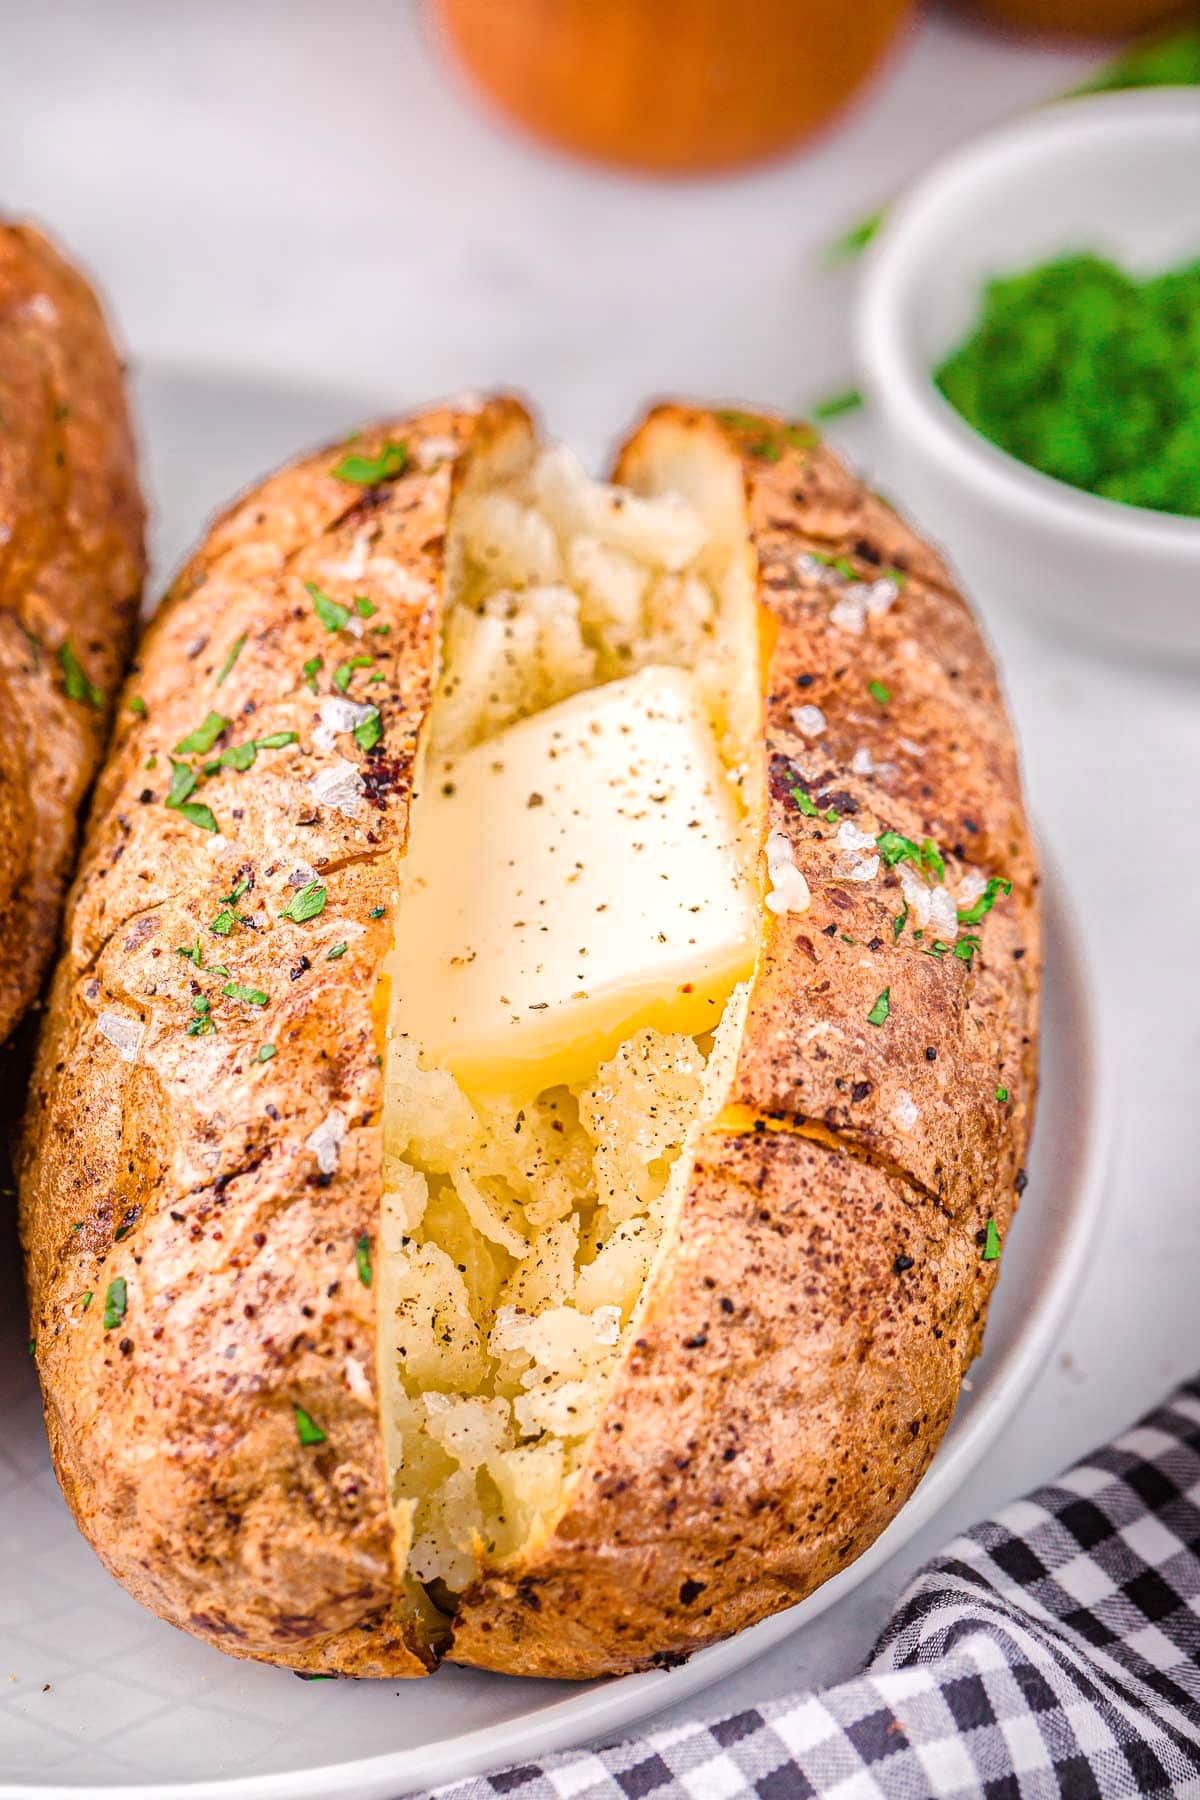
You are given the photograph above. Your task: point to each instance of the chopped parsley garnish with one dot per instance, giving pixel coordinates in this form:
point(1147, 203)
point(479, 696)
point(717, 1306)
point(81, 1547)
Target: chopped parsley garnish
point(343, 672)
point(881, 1008)
point(200, 741)
point(804, 802)
point(227, 665)
point(894, 848)
point(846, 939)
point(307, 1429)
point(1002, 1094)
point(878, 692)
point(307, 904)
point(115, 1302)
point(367, 470)
point(310, 672)
point(991, 1248)
point(899, 922)
point(251, 996)
point(830, 815)
point(337, 951)
point(224, 922)
point(934, 858)
point(198, 814)
point(377, 912)
point(833, 405)
point(264, 1053)
point(362, 1257)
point(846, 568)
point(333, 616)
point(74, 680)
point(366, 609)
point(183, 783)
point(87, 1300)
point(239, 756)
point(193, 953)
point(368, 731)
point(240, 886)
point(276, 740)
point(203, 1023)
point(986, 901)
point(137, 706)
point(966, 948)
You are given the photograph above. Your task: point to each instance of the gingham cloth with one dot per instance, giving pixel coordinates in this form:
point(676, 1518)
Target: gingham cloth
point(1053, 1650)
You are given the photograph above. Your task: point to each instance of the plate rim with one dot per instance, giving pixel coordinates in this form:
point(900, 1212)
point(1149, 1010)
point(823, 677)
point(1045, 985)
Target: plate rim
point(604, 1707)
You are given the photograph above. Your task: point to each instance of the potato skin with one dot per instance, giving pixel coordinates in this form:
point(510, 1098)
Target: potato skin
point(71, 569)
point(827, 1268)
point(188, 1172)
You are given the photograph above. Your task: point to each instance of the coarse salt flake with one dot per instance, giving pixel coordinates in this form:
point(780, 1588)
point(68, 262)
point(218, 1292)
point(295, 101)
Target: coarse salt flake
point(125, 1034)
point(789, 890)
point(339, 716)
point(866, 869)
point(339, 785)
point(606, 1324)
point(356, 1381)
point(970, 888)
point(849, 837)
point(808, 720)
point(905, 1111)
point(326, 1141)
point(849, 611)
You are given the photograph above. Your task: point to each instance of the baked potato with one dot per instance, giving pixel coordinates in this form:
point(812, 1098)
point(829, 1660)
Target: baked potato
point(71, 567)
point(542, 1065)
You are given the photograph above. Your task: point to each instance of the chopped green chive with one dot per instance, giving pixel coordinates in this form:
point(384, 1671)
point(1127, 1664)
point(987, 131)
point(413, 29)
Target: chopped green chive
point(991, 1248)
point(833, 405)
point(251, 996)
point(337, 951)
point(367, 470)
point(362, 1257)
point(985, 902)
point(1002, 1094)
point(307, 1429)
point(227, 665)
point(368, 731)
point(200, 741)
point(343, 672)
point(333, 616)
point(878, 692)
point(881, 1008)
point(115, 1303)
point(74, 680)
point(264, 1053)
point(307, 904)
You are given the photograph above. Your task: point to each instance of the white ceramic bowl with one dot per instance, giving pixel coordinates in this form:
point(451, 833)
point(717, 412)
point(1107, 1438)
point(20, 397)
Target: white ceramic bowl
point(1115, 173)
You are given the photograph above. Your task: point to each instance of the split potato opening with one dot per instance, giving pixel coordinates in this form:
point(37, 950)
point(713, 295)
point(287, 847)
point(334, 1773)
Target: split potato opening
point(578, 922)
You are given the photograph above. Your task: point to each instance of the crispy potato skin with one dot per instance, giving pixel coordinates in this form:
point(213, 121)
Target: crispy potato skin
point(71, 568)
point(187, 1172)
point(827, 1269)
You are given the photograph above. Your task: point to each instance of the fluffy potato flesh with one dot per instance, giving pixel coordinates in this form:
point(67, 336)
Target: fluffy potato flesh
point(520, 1228)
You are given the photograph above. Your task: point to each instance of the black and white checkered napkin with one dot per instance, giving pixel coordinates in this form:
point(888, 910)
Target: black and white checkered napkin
point(1053, 1650)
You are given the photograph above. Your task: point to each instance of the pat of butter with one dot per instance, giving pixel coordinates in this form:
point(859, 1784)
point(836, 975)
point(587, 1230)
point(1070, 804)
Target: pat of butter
point(571, 880)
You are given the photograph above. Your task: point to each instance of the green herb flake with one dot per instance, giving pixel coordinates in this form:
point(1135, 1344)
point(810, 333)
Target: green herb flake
point(239, 756)
point(804, 802)
point(362, 1257)
point(898, 923)
point(137, 706)
point(238, 646)
point(264, 1053)
point(116, 1301)
point(766, 450)
point(87, 1300)
point(277, 740)
point(855, 239)
point(966, 948)
point(250, 996)
point(377, 912)
point(224, 922)
point(151, 761)
point(333, 616)
point(338, 950)
point(894, 848)
point(846, 939)
point(307, 1429)
point(197, 814)
point(366, 471)
point(305, 905)
point(369, 731)
point(344, 671)
point(193, 953)
point(881, 1008)
point(201, 741)
point(366, 609)
point(878, 692)
point(240, 886)
point(309, 672)
point(986, 901)
point(830, 815)
point(934, 859)
point(1001, 1095)
point(834, 405)
point(991, 1247)
point(75, 681)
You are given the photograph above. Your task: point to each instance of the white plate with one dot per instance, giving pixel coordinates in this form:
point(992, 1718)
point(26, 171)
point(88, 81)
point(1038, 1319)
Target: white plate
point(100, 1701)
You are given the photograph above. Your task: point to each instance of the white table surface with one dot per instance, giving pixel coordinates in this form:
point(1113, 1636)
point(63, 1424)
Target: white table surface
point(305, 191)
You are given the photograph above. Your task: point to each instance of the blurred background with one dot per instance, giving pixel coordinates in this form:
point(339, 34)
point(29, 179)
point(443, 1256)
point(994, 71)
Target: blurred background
point(300, 214)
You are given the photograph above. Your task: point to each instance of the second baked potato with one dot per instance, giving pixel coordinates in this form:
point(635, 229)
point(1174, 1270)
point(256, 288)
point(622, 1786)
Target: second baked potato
point(544, 1057)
